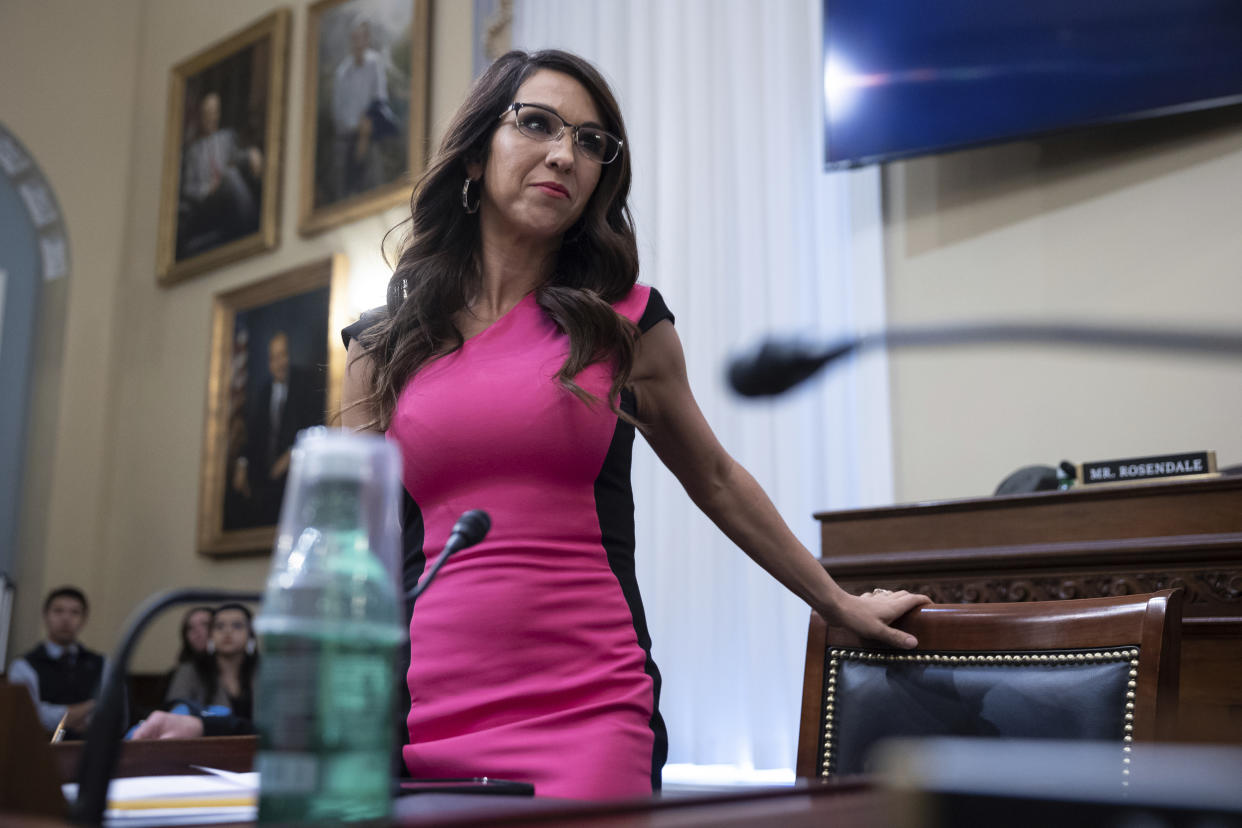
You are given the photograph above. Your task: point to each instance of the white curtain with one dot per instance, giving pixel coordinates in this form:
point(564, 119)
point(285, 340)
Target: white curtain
point(745, 235)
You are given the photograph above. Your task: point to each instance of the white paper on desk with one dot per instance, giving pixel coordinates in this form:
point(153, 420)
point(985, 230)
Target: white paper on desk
point(180, 816)
point(183, 800)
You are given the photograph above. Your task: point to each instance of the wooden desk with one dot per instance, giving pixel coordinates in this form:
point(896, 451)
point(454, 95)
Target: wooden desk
point(165, 757)
point(854, 808)
point(852, 804)
point(1080, 543)
point(842, 803)
point(848, 804)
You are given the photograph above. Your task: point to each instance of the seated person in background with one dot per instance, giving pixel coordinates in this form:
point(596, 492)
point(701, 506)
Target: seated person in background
point(218, 690)
point(62, 675)
point(226, 677)
point(195, 634)
point(147, 693)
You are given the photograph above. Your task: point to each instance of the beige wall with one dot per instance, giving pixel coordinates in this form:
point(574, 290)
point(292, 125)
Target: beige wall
point(121, 509)
point(74, 116)
point(1139, 223)
point(1134, 224)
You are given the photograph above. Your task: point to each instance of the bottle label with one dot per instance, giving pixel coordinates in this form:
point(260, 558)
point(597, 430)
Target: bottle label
point(284, 774)
point(287, 694)
point(356, 693)
point(325, 694)
point(325, 720)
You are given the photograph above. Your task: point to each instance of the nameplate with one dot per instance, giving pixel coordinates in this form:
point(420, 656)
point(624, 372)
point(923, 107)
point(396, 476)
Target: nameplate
point(1161, 467)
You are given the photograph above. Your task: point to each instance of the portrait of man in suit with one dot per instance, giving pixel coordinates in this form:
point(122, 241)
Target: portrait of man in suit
point(278, 387)
point(288, 402)
point(220, 183)
point(222, 155)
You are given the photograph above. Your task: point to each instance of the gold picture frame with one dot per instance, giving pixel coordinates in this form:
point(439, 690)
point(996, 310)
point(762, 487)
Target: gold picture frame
point(366, 71)
point(223, 144)
point(280, 331)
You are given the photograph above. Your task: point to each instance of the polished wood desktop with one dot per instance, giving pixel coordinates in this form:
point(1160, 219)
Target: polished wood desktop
point(1081, 543)
point(852, 803)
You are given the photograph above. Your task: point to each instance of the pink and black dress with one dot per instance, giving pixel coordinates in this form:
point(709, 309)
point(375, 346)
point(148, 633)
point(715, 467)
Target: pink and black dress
point(529, 655)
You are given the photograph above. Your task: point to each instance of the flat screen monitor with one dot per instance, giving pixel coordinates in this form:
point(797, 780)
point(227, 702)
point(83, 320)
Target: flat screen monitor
point(912, 77)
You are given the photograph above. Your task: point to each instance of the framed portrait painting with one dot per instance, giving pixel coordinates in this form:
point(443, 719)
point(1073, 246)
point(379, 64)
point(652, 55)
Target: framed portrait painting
point(364, 115)
point(220, 191)
point(277, 363)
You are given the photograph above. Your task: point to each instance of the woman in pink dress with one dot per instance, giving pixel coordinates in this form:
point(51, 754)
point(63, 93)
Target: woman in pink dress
point(515, 359)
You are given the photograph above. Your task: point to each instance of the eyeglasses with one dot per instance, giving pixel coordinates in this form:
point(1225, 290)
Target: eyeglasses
point(543, 124)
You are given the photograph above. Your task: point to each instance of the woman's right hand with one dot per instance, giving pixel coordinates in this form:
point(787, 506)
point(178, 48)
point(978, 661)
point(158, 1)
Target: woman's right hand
point(871, 614)
point(161, 725)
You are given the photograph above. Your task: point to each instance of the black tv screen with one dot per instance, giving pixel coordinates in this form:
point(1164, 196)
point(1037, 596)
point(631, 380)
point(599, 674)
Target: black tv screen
point(910, 77)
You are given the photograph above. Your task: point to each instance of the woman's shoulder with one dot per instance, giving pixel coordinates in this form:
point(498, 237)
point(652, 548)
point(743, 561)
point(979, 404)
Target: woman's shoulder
point(186, 683)
point(184, 670)
point(366, 321)
point(644, 306)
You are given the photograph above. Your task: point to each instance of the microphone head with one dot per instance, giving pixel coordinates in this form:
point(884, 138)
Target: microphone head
point(472, 526)
point(778, 366)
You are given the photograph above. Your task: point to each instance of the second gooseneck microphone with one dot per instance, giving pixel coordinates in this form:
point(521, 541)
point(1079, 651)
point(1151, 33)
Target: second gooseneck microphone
point(779, 365)
point(469, 529)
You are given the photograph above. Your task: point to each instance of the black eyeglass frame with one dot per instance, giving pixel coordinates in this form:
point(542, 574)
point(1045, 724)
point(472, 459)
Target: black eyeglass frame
point(516, 105)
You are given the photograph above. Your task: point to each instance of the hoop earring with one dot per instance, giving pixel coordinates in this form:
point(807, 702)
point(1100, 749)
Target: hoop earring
point(465, 197)
point(250, 646)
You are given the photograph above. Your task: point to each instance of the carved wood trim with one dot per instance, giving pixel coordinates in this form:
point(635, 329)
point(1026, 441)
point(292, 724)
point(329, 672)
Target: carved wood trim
point(1204, 589)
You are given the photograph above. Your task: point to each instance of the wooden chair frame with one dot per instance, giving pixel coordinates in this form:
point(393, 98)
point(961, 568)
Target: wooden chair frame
point(1150, 622)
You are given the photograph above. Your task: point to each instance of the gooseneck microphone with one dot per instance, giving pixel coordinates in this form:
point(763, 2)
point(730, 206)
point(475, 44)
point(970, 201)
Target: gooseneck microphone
point(103, 736)
point(469, 529)
point(778, 365)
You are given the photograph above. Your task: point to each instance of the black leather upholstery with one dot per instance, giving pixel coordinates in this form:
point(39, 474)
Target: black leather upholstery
point(872, 695)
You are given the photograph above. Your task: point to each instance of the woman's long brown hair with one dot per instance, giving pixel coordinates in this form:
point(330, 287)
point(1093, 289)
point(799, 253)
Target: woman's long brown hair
point(438, 270)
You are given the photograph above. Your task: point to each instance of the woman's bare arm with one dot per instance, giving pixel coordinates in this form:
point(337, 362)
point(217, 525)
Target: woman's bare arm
point(726, 492)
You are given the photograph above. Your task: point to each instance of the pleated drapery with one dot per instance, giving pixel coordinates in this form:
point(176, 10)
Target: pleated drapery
point(745, 234)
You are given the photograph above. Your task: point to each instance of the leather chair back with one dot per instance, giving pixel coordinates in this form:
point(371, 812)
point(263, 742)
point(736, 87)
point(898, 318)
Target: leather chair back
point(1100, 668)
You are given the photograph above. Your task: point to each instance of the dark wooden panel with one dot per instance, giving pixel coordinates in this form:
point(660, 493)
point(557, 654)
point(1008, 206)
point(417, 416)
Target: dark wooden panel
point(166, 757)
point(27, 784)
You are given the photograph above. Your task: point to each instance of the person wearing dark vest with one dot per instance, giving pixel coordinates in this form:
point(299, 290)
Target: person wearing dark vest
point(62, 675)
